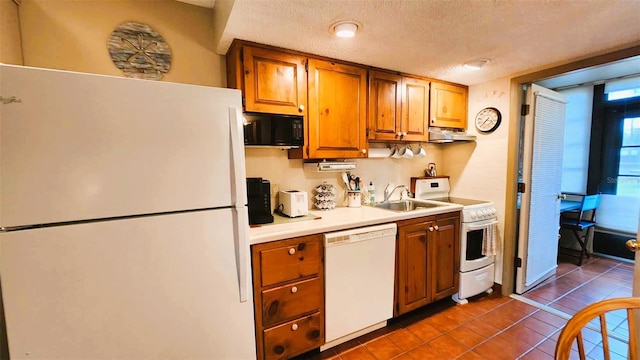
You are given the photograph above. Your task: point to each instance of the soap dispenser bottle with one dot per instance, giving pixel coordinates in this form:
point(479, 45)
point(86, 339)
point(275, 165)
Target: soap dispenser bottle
point(372, 193)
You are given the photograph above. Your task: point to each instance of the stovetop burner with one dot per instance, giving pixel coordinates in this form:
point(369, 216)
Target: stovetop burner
point(461, 201)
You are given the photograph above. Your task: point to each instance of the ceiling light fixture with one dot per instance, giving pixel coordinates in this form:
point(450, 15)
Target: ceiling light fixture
point(476, 64)
point(345, 29)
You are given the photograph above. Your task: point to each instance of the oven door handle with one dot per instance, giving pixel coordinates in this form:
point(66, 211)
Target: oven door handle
point(478, 227)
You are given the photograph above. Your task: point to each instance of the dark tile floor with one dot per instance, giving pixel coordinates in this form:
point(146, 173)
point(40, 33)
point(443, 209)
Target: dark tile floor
point(494, 326)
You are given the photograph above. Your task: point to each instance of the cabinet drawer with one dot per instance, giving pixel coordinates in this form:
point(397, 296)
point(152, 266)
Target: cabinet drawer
point(296, 260)
point(289, 301)
point(293, 337)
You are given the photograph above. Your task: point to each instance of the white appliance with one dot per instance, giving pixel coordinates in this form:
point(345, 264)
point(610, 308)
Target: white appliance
point(293, 203)
point(477, 271)
point(359, 280)
point(124, 231)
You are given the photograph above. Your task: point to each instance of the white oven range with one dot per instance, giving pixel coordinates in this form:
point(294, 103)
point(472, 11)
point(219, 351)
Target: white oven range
point(478, 221)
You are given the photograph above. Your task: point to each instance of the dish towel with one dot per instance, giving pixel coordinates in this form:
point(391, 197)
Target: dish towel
point(490, 240)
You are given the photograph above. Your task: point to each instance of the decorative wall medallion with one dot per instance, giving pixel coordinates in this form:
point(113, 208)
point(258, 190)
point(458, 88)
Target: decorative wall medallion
point(139, 51)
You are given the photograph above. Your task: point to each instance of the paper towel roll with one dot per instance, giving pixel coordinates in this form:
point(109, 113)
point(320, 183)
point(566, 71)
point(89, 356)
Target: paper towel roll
point(379, 152)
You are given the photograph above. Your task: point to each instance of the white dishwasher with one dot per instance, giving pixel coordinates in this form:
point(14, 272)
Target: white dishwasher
point(359, 277)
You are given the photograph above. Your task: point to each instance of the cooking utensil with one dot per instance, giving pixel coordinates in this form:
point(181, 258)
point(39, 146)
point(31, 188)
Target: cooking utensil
point(345, 180)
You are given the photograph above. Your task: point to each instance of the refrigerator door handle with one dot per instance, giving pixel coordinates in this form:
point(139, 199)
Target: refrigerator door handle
point(239, 201)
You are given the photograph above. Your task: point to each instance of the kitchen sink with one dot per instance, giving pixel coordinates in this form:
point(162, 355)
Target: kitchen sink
point(406, 205)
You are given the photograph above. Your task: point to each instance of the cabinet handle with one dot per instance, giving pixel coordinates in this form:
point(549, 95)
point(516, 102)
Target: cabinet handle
point(292, 251)
point(294, 327)
point(301, 108)
point(430, 228)
point(294, 290)
point(435, 227)
point(364, 151)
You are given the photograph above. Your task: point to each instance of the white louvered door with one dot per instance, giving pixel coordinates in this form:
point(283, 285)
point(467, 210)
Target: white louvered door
point(542, 174)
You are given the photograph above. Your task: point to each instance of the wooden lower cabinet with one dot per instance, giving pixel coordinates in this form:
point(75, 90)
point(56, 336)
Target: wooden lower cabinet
point(427, 260)
point(288, 290)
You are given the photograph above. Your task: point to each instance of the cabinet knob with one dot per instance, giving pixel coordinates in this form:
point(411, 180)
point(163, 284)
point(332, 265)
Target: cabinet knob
point(430, 228)
point(292, 251)
point(364, 151)
point(398, 134)
point(433, 121)
point(294, 327)
point(294, 289)
point(301, 108)
point(435, 227)
point(404, 133)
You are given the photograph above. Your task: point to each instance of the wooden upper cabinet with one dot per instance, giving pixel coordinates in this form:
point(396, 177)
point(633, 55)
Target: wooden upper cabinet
point(274, 82)
point(385, 105)
point(415, 110)
point(398, 107)
point(337, 110)
point(448, 106)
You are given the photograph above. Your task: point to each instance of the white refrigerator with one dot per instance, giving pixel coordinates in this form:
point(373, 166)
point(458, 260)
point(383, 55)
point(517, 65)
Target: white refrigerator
point(124, 226)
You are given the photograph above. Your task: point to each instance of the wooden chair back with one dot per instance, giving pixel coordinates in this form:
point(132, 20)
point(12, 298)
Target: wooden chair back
point(572, 331)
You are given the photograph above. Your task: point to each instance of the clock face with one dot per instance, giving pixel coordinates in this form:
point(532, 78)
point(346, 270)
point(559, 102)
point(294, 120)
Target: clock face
point(488, 119)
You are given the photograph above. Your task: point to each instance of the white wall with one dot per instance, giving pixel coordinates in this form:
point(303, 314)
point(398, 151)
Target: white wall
point(285, 174)
point(479, 170)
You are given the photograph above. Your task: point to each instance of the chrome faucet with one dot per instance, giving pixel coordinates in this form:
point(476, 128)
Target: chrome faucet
point(387, 193)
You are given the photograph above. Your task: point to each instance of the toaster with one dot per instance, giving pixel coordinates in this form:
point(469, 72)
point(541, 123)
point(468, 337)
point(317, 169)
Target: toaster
point(293, 203)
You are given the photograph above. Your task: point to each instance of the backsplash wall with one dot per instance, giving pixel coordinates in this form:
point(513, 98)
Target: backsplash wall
point(285, 174)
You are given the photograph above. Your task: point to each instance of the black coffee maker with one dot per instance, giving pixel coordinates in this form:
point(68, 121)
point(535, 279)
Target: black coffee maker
point(259, 197)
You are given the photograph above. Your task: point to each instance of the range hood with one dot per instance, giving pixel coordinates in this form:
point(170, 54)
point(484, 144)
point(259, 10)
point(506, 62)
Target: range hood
point(447, 135)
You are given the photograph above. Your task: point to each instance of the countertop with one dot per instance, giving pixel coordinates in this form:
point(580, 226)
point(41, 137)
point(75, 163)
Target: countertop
point(340, 218)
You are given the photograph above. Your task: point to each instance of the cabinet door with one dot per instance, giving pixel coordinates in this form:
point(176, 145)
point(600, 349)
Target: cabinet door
point(445, 254)
point(385, 104)
point(415, 110)
point(274, 82)
point(448, 106)
point(337, 110)
point(413, 267)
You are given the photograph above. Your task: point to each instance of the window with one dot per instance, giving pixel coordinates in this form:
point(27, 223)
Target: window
point(629, 167)
point(619, 146)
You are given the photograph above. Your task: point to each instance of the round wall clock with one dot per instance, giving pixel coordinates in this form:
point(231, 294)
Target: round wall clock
point(139, 51)
point(488, 119)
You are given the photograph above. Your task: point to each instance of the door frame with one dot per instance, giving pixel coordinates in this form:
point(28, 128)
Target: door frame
point(516, 101)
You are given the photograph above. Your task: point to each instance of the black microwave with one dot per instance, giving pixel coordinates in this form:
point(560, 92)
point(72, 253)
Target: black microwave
point(274, 130)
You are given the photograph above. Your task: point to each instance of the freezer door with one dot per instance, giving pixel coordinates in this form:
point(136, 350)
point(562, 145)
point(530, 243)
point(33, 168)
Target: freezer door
point(78, 146)
point(160, 287)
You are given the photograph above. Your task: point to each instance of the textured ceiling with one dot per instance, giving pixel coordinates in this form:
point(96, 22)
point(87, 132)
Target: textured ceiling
point(434, 37)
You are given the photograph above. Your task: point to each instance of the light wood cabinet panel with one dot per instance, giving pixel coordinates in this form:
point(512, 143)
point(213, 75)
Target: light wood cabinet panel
point(415, 109)
point(448, 106)
point(385, 105)
point(413, 267)
point(288, 293)
point(337, 110)
point(446, 255)
point(291, 300)
point(291, 261)
point(398, 107)
point(293, 338)
point(427, 261)
point(274, 82)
